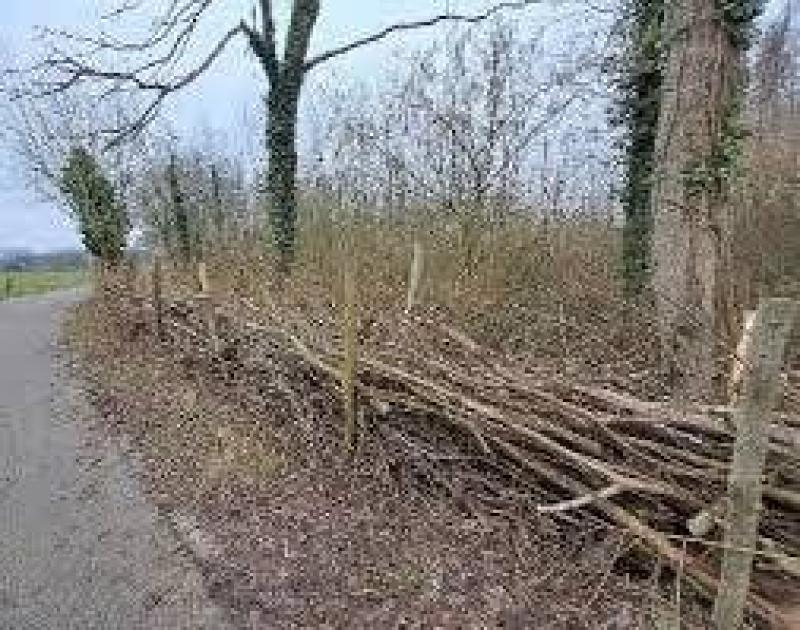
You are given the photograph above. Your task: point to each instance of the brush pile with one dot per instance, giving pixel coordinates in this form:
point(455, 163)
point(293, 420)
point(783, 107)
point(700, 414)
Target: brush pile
point(497, 431)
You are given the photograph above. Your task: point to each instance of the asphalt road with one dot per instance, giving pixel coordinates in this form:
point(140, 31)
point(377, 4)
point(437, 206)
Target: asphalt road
point(80, 547)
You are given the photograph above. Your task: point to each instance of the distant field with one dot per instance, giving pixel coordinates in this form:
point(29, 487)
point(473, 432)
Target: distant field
point(19, 283)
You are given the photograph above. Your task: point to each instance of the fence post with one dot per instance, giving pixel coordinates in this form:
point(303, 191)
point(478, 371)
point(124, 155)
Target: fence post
point(415, 275)
point(207, 306)
point(157, 296)
point(350, 352)
point(741, 354)
point(202, 278)
point(761, 386)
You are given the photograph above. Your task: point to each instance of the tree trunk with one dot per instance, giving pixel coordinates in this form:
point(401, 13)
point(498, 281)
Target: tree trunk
point(180, 215)
point(690, 251)
point(640, 107)
point(282, 140)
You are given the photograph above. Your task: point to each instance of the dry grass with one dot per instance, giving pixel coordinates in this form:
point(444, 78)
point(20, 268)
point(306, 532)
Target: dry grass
point(553, 292)
point(189, 443)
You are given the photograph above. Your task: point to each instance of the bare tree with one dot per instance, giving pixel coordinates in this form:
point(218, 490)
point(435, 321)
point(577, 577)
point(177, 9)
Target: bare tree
point(190, 201)
point(152, 64)
point(452, 131)
point(40, 133)
point(48, 136)
point(767, 222)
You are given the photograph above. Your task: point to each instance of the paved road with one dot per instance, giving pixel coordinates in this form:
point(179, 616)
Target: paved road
point(80, 547)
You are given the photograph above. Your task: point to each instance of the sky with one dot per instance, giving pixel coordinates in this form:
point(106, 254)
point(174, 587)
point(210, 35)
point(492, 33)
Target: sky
point(228, 94)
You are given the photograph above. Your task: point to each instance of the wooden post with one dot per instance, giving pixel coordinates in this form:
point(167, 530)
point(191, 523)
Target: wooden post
point(415, 275)
point(202, 278)
point(742, 350)
point(350, 355)
point(157, 296)
point(761, 386)
point(207, 306)
point(128, 265)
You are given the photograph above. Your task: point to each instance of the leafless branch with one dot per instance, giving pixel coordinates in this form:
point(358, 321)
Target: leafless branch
point(177, 14)
point(126, 7)
point(408, 26)
point(39, 131)
point(175, 28)
point(304, 15)
point(150, 113)
point(269, 55)
point(78, 71)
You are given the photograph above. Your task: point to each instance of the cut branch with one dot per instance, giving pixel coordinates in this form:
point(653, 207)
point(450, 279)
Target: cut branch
point(583, 501)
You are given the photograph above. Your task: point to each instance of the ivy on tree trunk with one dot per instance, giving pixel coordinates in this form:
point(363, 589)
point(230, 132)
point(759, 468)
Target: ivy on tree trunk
point(180, 216)
point(696, 155)
point(283, 105)
point(640, 81)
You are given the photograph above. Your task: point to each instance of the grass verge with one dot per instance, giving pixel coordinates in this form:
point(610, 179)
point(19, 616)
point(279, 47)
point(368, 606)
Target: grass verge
point(21, 283)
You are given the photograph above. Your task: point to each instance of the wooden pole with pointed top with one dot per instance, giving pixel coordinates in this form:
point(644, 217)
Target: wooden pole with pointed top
point(157, 304)
point(350, 354)
point(415, 275)
point(761, 387)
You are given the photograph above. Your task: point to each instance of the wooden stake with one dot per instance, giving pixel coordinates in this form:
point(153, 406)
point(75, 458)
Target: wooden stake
point(742, 350)
point(761, 385)
point(207, 306)
point(157, 296)
point(202, 278)
point(415, 275)
point(350, 355)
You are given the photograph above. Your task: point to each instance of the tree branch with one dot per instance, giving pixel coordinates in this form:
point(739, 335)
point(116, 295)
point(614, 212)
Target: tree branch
point(301, 26)
point(268, 34)
point(174, 28)
point(77, 71)
point(163, 91)
point(261, 50)
point(126, 7)
point(408, 26)
point(190, 13)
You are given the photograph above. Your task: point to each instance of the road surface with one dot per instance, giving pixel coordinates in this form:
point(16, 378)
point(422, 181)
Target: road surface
point(80, 547)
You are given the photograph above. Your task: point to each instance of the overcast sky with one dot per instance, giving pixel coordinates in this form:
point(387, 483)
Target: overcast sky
point(229, 93)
